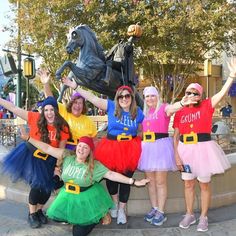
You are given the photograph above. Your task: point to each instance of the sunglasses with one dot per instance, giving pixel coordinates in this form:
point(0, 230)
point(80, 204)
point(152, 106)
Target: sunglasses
point(194, 94)
point(126, 96)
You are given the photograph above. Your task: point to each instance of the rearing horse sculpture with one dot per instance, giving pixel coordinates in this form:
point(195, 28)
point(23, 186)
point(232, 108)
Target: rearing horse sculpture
point(93, 69)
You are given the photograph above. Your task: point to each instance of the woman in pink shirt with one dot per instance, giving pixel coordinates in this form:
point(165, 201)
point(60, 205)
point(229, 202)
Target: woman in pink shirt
point(157, 156)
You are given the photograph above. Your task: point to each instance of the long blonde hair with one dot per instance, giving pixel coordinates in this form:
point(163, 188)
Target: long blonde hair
point(146, 109)
point(90, 163)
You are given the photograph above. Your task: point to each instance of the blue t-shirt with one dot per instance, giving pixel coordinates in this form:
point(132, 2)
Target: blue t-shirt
point(226, 111)
point(125, 124)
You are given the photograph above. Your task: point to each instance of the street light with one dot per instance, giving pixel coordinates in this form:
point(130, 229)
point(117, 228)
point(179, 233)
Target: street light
point(207, 73)
point(29, 73)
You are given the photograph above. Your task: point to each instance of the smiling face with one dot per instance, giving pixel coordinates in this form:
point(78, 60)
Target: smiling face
point(151, 101)
point(77, 107)
point(124, 100)
point(82, 151)
point(49, 114)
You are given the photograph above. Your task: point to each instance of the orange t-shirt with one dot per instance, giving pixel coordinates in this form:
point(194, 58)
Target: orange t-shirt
point(33, 118)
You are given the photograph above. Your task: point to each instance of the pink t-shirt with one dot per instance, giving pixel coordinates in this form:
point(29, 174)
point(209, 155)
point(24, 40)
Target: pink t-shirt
point(156, 122)
point(195, 119)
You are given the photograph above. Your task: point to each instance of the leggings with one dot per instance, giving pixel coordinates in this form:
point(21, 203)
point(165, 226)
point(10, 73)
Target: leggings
point(82, 230)
point(38, 196)
point(124, 189)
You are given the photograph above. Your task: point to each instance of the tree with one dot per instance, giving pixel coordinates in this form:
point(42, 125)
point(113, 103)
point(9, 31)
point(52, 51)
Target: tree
point(177, 35)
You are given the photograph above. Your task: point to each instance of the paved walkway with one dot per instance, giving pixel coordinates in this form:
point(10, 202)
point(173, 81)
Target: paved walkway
point(13, 220)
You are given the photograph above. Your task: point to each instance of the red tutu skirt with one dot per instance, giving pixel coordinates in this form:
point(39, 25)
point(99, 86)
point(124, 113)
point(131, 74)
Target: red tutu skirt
point(119, 156)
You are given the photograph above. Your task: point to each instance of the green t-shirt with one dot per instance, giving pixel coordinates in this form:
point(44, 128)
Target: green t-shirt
point(77, 173)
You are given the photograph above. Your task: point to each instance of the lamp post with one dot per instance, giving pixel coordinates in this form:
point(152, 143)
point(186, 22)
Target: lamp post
point(29, 73)
point(18, 86)
point(207, 73)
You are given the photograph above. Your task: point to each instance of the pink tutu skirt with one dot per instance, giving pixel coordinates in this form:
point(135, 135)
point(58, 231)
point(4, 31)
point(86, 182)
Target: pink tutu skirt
point(157, 156)
point(205, 158)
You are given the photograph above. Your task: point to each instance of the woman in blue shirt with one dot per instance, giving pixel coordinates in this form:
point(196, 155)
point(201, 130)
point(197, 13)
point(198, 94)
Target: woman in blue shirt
point(120, 150)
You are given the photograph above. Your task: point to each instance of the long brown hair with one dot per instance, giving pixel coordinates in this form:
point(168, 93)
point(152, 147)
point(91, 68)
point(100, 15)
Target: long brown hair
point(133, 105)
point(59, 123)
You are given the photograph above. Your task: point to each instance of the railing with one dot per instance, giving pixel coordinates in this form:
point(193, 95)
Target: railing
point(9, 131)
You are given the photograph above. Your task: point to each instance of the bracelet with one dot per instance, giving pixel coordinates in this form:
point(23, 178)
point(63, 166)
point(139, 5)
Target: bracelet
point(76, 87)
point(134, 182)
point(181, 104)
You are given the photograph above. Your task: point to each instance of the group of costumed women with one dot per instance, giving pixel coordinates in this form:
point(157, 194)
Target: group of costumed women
point(122, 151)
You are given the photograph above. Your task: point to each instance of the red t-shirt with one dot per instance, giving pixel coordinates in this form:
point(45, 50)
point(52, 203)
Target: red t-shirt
point(33, 118)
point(197, 119)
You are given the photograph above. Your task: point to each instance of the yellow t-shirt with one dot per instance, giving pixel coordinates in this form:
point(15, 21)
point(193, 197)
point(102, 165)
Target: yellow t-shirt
point(79, 126)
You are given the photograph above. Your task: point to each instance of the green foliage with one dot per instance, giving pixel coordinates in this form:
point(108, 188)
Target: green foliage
point(177, 35)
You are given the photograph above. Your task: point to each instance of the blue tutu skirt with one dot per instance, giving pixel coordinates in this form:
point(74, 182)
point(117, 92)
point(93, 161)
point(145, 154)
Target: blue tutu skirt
point(22, 164)
point(158, 156)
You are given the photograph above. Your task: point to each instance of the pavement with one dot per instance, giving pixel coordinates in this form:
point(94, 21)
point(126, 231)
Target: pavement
point(13, 220)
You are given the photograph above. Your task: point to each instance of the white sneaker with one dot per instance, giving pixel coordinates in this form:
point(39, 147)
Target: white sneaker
point(121, 218)
point(114, 211)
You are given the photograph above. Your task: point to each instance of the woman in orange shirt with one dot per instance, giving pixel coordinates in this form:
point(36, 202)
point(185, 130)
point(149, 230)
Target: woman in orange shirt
point(26, 162)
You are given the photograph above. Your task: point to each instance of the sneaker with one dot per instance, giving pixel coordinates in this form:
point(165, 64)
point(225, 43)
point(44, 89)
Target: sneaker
point(121, 217)
point(42, 218)
point(33, 220)
point(114, 211)
point(158, 219)
point(187, 221)
point(149, 216)
point(203, 224)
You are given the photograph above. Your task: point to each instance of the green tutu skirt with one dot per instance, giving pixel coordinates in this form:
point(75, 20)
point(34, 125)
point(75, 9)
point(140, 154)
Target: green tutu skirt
point(85, 208)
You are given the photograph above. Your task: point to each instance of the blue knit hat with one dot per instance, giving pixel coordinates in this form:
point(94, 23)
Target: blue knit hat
point(50, 101)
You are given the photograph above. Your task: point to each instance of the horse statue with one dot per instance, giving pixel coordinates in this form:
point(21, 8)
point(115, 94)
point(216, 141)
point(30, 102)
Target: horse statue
point(97, 71)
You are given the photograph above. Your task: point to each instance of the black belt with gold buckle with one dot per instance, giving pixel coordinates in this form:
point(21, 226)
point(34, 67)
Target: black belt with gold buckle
point(194, 138)
point(120, 137)
point(151, 136)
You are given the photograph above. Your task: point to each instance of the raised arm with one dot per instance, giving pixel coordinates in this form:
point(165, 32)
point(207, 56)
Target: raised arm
point(96, 101)
point(172, 108)
point(45, 80)
point(16, 110)
point(117, 177)
point(232, 76)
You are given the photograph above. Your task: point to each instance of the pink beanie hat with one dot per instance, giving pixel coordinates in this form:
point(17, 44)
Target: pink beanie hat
point(196, 86)
point(150, 91)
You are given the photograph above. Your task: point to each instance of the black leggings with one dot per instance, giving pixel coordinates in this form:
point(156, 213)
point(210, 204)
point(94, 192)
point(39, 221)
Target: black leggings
point(38, 196)
point(82, 230)
point(124, 189)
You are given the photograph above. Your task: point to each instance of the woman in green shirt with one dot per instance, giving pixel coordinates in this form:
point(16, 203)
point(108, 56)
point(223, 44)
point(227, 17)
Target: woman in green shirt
point(82, 201)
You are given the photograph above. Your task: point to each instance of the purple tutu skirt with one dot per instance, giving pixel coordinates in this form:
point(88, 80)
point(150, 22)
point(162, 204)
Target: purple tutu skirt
point(205, 158)
point(157, 156)
point(21, 164)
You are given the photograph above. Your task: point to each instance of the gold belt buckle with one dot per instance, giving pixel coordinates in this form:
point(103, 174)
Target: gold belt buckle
point(124, 137)
point(190, 138)
point(41, 155)
point(149, 136)
point(72, 188)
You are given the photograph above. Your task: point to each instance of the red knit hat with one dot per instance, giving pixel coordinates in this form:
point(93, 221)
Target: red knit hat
point(88, 141)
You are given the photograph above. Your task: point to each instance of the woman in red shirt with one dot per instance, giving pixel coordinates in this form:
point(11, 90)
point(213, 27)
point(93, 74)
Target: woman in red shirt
point(26, 162)
point(197, 156)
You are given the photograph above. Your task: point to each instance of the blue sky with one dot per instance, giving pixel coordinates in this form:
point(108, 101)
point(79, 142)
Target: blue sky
point(4, 10)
